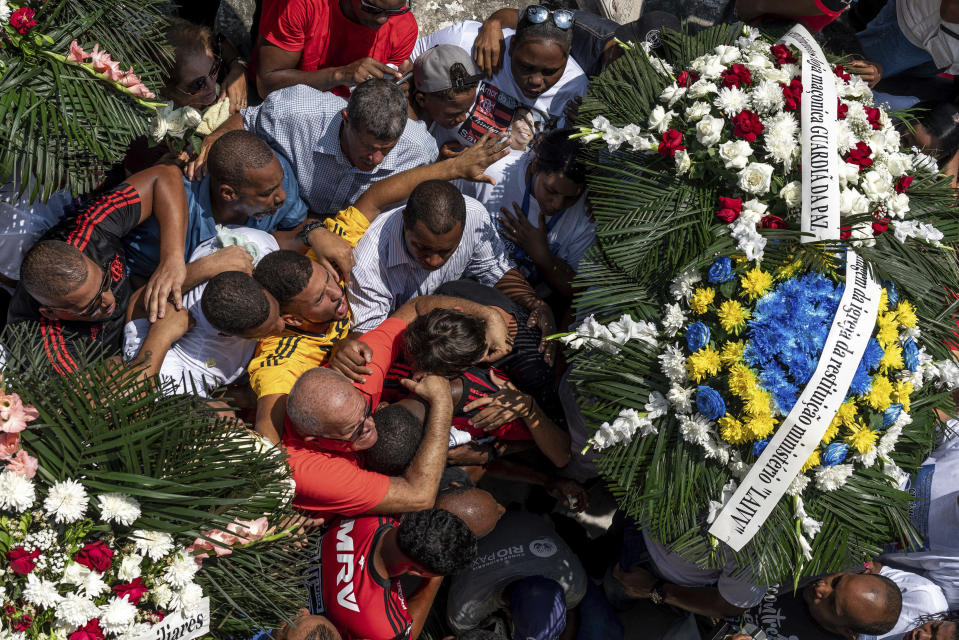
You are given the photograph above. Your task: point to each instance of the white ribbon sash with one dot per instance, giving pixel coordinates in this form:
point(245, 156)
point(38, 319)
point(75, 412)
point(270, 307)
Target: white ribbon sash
point(802, 430)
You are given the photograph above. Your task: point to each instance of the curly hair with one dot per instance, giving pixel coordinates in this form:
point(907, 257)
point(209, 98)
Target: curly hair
point(437, 541)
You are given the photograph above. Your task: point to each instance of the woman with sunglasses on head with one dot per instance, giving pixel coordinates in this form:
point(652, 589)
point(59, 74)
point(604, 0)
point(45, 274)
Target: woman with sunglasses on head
point(538, 73)
point(540, 200)
point(331, 45)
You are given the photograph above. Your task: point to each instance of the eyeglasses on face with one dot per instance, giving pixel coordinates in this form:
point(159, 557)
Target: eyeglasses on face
point(538, 14)
point(374, 10)
point(199, 84)
point(91, 308)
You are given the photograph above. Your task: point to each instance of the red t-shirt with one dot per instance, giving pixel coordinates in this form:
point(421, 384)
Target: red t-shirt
point(332, 482)
point(326, 38)
point(360, 602)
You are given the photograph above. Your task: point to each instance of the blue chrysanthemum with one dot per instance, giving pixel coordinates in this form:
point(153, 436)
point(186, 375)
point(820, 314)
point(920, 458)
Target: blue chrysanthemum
point(721, 270)
point(890, 415)
point(759, 446)
point(892, 293)
point(697, 336)
point(834, 454)
point(710, 403)
point(910, 354)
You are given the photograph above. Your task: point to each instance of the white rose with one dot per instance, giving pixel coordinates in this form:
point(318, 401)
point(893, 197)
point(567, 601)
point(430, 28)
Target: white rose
point(876, 185)
point(851, 201)
point(897, 164)
point(774, 74)
point(659, 118)
point(701, 88)
point(697, 111)
point(683, 161)
point(130, 568)
point(848, 173)
point(709, 67)
point(671, 94)
point(709, 130)
point(757, 61)
point(735, 154)
point(885, 140)
point(158, 127)
point(897, 205)
point(728, 54)
point(791, 194)
point(755, 178)
point(191, 117)
point(753, 212)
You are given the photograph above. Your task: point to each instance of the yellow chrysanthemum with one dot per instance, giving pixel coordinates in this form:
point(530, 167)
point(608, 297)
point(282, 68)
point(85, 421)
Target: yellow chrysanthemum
point(732, 353)
point(812, 461)
point(732, 430)
point(901, 392)
point(704, 362)
point(761, 426)
point(742, 380)
point(888, 333)
point(759, 403)
point(787, 272)
point(906, 314)
point(847, 413)
point(883, 302)
point(863, 439)
point(755, 283)
point(701, 299)
point(732, 316)
point(831, 431)
point(879, 396)
point(892, 359)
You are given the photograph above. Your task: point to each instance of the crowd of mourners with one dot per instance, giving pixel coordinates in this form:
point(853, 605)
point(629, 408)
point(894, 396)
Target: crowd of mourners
point(364, 263)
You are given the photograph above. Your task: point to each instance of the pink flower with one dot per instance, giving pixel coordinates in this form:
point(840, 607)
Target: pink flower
point(23, 464)
point(141, 91)
point(114, 72)
point(9, 443)
point(14, 415)
point(76, 53)
point(249, 530)
point(100, 60)
point(130, 79)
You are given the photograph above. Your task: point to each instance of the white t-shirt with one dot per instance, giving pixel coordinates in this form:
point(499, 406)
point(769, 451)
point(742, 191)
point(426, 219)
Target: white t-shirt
point(571, 232)
point(673, 568)
point(204, 359)
point(935, 514)
point(23, 222)
point(920, 597)
point(500, 101)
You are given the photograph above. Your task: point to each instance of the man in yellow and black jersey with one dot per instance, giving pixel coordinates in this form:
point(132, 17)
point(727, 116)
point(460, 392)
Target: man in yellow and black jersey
point(312, 292)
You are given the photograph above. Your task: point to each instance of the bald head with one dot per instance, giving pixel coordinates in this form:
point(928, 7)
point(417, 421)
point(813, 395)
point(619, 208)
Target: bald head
point(317, 401)
point(477, 508)
point(850, 604)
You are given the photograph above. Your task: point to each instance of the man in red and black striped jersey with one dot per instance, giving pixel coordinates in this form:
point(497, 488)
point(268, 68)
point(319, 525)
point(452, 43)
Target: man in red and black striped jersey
point(361, 560)
point(74, 282)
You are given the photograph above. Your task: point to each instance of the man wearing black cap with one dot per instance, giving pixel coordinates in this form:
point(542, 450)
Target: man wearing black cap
point(444, 88)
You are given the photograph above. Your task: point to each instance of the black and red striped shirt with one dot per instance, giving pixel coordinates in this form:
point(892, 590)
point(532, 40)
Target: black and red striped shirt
point(97, 231)
point(361, 603)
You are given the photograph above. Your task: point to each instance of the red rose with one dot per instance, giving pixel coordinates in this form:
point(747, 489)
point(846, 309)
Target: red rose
point(782, 54)
point(845, 233)
point(22, 20)
point(729, 209)
point(747, 125)
point(903, 183)
point(879, 224)
point(686, 78)
point(21, 560)
point(95, 556)
point(132, 591)
point(672, 142)
point(839, 71)
point(736, 75)
point(772, 222)
point(872, 114)
point(89, 631)
point(860, 156)
point(841, 109)
point(792, 94)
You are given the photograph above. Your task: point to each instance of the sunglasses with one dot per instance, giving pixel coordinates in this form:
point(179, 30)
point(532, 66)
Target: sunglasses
point(199, 84)
point(538, 14)
point(91, 308)
point(374, 10)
